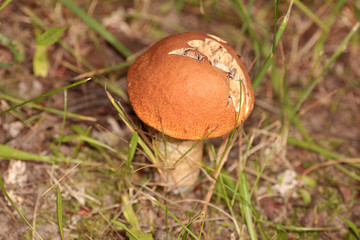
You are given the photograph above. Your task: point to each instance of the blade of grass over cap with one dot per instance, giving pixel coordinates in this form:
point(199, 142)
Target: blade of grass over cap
point(192, 147)
point(44, 95)
point(95, 25)
point(17, 210)
point(129, 124)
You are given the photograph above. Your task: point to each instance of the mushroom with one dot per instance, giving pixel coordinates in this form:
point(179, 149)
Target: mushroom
point(189, 87)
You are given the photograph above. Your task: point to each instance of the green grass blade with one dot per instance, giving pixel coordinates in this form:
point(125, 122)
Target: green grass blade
point(311, 15)
point(275, 21)
point(156, 19)
point(133, 234)
point(5, 65)
point(123, 226)
point(318, 149)
point(352, 226)
point(281, 234)
point(327, 154)
point(300, 127)
point(226, 196)
point(59, 212)
point(190, 149)
point(79, 130)
point(89, 140)
point(335, 56)
point(245, 205)
point(102, 71)
point(141, 142)
point(300, 229)
point(51, 36)
point(176, 219)
point(44, 95)
point(270, 59)
point(312, 147)
point(95, 25)
point(129, 212)
point(190, 222)
point(64, 120)
point(132, 149)
point(2, 5)
point(260, 76)
point(283, 25)
point(244, 14)
point(319, 47)
point(7, 152)
point(18, 57)
point(67, 47)
point(48, 109)
point(17, 210)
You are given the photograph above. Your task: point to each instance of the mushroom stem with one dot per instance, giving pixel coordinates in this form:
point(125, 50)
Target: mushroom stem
point(182, 167)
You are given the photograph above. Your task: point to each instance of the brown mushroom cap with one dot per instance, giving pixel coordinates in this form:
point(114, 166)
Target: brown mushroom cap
point(184, 85)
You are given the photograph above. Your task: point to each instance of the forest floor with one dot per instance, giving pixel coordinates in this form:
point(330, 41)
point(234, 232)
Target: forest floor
point(299, 149)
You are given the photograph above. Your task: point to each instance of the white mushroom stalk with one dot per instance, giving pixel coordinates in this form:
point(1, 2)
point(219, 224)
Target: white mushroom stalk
point(182, 162)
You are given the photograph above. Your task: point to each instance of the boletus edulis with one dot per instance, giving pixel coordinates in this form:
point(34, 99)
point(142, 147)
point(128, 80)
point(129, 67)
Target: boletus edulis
point(189, 87)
